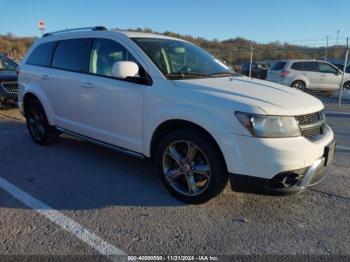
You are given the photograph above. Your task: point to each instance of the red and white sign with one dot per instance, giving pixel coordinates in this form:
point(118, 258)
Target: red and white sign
point(41, 25)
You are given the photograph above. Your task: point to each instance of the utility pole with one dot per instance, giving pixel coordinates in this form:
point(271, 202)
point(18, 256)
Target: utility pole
point(251, 59)
point(336, 41)
point(326, 53)
point(344, 69)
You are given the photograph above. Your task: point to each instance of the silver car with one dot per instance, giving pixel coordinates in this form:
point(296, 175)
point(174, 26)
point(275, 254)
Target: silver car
point(307, 74)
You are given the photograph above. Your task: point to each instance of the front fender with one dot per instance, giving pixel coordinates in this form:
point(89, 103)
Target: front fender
point(33, 88)
point(207, 120)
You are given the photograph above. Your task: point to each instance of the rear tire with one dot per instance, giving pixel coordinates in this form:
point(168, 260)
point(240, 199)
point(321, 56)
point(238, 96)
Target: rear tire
point(38, 126)
point(190, 166)
point(300, 85)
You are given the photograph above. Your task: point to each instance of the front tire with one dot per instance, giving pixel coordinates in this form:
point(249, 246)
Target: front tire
point(346, 85)
point(190, 166)
point(300, 85)
point(38, 126)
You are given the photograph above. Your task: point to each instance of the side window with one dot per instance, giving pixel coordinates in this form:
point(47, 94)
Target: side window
point(311, 66)
point(73, 55)
point(278, 65)
point(326, 68)
point(104, 54)
point(298, 66)
point(42, 54)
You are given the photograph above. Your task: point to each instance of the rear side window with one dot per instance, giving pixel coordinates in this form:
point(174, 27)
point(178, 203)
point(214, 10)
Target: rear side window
point(311, 66)
point(298, 66)
point(42, 54)
point(72, 55)
point(278, 65)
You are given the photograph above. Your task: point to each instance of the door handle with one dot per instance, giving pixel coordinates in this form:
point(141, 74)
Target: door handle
point(45, 77)
point(87, 85)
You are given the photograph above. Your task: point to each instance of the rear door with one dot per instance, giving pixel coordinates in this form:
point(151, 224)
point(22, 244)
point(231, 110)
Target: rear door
point(70, 64)
point(312, 73)
point(330, 77)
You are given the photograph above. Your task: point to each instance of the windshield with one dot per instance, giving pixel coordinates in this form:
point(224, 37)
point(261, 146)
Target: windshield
point(179, 60)
point(7, 64)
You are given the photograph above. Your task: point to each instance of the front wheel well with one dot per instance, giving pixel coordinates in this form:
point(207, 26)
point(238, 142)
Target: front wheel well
point(172, 125)
point(29, 97)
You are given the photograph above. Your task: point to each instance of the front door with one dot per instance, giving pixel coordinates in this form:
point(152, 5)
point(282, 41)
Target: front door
point(330, 77)
point(112, 108)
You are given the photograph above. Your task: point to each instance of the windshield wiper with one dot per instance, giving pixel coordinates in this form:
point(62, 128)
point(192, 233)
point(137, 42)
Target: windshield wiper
point(183, 75)
point(223, 74)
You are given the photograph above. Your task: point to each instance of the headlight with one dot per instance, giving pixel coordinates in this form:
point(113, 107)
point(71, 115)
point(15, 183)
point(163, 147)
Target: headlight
point(269, 126)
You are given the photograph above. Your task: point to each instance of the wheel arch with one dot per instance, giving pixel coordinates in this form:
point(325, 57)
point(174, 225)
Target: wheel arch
point(30, 96)
point(304, 80)
point(173, 124)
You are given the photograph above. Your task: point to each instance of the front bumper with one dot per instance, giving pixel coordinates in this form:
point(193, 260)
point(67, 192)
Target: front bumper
point(283, 183)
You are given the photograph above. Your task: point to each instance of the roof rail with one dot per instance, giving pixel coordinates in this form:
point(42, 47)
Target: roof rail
point(92, 28)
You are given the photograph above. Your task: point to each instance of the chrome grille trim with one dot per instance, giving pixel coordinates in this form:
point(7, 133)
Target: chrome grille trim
point(10, 87)
point(311, 125)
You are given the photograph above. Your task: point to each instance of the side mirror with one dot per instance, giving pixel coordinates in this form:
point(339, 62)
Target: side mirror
point(124, 69)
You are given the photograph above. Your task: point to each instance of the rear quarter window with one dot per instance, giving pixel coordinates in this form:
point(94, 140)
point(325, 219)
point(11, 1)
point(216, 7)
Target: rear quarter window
point(72, 55)
point(298, 66)
point(278, 65)
point(42, 54)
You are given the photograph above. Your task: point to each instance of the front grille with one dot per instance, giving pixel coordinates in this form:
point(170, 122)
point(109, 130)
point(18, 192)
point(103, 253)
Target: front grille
point(311, 125)
point(10, 87)
point(309, 118)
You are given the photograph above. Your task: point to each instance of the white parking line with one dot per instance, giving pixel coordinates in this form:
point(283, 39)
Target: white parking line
point(101, 246)
point(337, 113)
point(343, 148)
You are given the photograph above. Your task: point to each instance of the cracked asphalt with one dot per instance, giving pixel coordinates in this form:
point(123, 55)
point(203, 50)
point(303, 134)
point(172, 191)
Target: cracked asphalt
point(120, 199)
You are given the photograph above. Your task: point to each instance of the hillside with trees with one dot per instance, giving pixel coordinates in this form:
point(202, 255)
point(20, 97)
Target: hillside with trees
point(235, 51)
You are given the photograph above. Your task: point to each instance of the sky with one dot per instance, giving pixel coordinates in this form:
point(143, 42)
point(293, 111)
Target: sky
point(305, 22)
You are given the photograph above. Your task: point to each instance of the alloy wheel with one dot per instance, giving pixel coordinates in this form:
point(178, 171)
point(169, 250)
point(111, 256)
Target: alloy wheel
point(186, 168)
point(36, 123)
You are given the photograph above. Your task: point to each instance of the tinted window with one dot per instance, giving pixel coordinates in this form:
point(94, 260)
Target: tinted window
point(104, 54)
point(326, 68)
point(278, 65)
point(42, 54)
point(298, 66)
point(72, 55)
point(6, 64)
point(311, 66)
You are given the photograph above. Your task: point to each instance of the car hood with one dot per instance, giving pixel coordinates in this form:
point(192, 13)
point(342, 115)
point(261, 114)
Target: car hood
point(8, 76)
point(273, 99)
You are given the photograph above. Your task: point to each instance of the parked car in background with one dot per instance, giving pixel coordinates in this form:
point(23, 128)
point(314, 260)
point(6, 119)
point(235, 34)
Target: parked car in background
point(8, 80)
point(153, 96)
point(307, 74)
point(259, 69)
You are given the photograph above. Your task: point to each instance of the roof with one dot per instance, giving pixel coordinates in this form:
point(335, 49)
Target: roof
point(102, 30)
point(132, 34)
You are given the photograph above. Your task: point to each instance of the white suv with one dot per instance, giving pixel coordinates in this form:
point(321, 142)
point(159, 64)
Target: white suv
point(163, 98)
point(307, 74)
